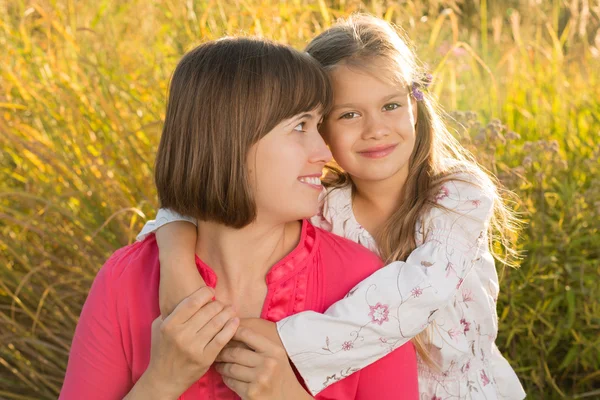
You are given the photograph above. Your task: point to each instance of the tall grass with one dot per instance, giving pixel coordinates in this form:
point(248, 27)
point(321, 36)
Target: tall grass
point(82, 96)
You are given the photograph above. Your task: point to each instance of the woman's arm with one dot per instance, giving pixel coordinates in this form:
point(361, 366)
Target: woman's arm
point(183, 346)
point(97, 367)
point(398, 301)
point(176, 239)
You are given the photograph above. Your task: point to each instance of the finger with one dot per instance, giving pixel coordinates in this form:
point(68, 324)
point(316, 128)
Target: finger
point(236, 371)
point(190, 305)
point(235, 343)
point(223, 337)
point(239, 355)
point(203, 316)
point(240, 388)
point(210, 329)
point(255, 341)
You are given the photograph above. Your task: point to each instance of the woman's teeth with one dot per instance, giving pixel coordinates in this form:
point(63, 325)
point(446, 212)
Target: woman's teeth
point(311, 180)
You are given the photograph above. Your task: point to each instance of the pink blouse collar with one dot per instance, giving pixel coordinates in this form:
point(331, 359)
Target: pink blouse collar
point(283, 269)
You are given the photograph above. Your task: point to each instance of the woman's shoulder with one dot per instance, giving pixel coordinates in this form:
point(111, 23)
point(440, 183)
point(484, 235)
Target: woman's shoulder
point(339, 249)
point(344, 262)
point(132, 263)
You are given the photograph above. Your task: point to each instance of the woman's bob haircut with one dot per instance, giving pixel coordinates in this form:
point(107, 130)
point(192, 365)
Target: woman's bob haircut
point(224, 96)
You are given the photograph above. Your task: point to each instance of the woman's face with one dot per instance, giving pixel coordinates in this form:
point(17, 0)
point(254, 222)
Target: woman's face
point(285, 166)
point(371, 127)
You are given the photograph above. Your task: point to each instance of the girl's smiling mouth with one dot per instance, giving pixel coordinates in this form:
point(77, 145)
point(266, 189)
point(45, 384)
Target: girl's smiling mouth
point(378, 151)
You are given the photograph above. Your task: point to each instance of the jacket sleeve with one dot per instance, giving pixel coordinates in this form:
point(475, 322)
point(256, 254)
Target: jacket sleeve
point(163, 217)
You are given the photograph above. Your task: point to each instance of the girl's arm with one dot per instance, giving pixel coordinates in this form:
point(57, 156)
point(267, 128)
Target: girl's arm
point(176, 239)
point(398, 301)
point(179, 276)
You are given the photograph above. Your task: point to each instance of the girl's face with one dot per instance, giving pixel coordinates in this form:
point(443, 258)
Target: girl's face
point(371, 127)
point(285, 167)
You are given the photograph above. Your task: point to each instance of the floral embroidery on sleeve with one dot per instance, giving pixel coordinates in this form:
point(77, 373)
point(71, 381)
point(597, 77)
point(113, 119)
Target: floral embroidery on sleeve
point(434, 285)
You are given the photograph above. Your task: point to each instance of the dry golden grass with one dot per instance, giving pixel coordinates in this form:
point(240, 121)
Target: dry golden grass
point(82, 96)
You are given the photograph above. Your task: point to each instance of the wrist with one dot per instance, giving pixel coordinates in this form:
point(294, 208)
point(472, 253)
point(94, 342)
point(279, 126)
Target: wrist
point(176, 259)
point(151, 387)
point(301, 394)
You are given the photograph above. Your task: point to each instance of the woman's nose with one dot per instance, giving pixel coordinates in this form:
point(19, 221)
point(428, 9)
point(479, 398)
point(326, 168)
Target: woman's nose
point(320, 152)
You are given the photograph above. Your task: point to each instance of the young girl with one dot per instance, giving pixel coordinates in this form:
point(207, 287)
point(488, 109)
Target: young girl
point(411, 193)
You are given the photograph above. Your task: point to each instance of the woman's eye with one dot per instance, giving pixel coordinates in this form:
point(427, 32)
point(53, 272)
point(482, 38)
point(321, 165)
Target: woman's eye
point(391, 106)
point(300, 127)
point(349, 115)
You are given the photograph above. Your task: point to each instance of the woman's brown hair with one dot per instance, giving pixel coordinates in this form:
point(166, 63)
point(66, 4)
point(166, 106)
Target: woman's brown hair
point(224, 96)
point(370, 43)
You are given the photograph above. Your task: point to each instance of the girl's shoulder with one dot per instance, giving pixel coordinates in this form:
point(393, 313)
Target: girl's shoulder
point(464, 184)
point(461, 209)
point(335, 203)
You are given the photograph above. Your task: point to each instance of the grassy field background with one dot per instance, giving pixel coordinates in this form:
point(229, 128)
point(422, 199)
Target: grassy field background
point(82, 97)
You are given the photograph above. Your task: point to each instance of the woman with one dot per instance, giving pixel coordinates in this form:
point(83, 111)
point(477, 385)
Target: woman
point(240, 152)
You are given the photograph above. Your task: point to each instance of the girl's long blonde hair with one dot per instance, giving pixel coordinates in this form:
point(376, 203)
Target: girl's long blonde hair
point(364, 41)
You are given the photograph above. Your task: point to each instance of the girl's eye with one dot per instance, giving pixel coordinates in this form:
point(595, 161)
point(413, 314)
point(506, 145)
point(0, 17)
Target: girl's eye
point(349, 115)
point(300, 127)
point(391, 106)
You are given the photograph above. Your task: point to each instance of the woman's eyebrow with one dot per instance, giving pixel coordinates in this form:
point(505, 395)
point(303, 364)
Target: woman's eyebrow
point(308, 116)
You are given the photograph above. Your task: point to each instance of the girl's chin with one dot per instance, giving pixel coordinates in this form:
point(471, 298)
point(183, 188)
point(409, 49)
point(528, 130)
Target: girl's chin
point(375, 174)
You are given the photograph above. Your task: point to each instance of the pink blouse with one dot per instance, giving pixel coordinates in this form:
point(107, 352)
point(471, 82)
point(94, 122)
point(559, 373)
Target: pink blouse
point(111, 346)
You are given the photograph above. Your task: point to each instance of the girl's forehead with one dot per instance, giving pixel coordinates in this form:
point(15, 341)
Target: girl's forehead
point(364, 84)
point(344, 74)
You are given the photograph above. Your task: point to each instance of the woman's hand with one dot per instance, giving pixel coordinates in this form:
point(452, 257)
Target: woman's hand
point(186, 343)
point(259, 371)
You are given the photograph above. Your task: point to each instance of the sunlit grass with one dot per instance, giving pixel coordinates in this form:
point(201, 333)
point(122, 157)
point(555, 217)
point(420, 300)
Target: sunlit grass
point(82, 96)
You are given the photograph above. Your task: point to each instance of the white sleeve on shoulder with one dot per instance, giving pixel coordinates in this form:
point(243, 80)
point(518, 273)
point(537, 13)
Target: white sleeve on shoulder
point(319, 220)
point(398, 301)
point(163, 217)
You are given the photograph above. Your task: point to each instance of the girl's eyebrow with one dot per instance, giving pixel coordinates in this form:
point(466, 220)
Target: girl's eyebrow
point(383, 100)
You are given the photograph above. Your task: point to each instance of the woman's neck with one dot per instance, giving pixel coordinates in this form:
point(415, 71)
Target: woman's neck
point(243, 257)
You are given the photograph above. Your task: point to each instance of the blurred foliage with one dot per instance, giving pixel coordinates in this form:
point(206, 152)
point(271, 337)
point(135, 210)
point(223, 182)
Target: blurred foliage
point(82, 97)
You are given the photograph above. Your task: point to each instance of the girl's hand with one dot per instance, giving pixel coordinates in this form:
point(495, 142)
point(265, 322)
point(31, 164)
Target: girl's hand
point(186, 343)
point(179, 276)
point(263, 327)
point(259, 371)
